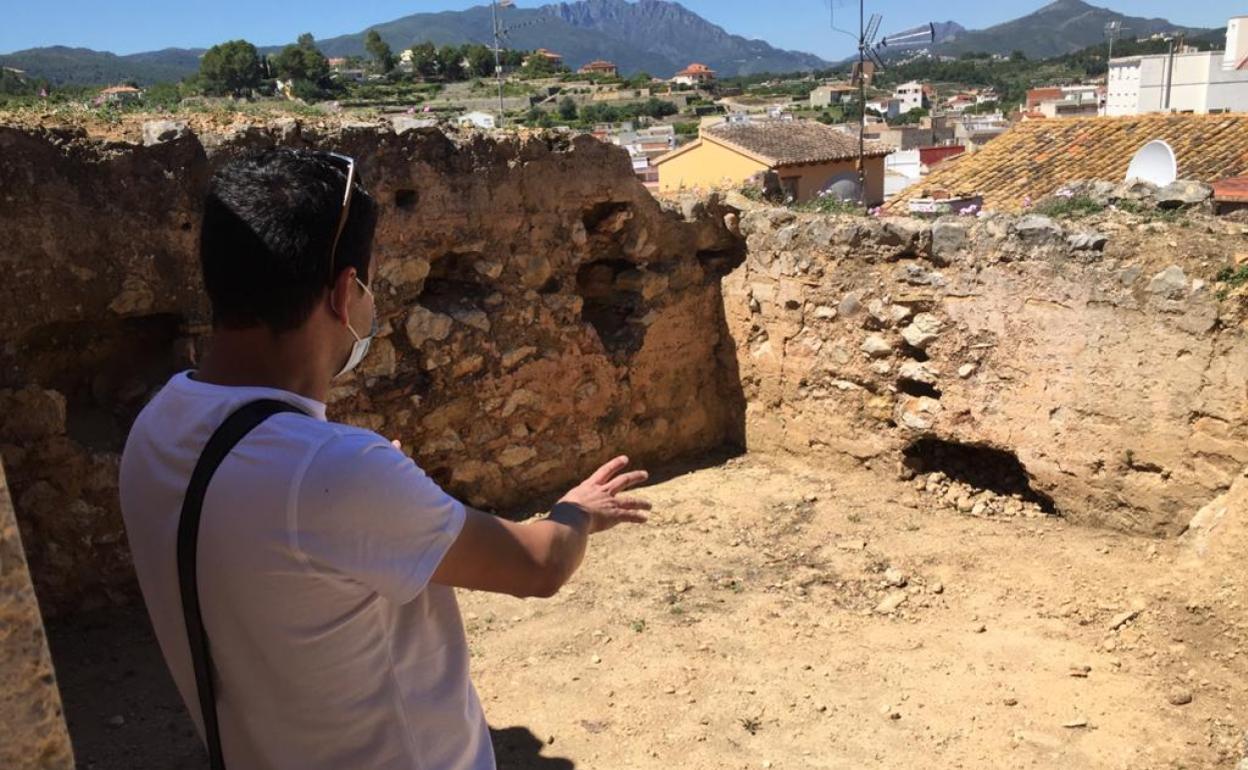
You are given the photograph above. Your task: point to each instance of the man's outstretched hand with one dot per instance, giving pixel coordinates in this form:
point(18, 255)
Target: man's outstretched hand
point(599, 496)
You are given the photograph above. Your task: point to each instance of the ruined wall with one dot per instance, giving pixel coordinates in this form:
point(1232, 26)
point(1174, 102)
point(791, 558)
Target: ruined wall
point(540, 312)
point(30, 705)
point(1102, 361)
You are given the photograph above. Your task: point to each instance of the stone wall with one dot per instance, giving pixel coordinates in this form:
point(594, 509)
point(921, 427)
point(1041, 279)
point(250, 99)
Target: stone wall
point(30, 705)
point(541, 311)
point(1098, 359)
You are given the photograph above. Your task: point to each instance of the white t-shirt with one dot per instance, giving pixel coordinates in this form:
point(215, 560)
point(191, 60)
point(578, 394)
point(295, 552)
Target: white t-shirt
point(316, 546)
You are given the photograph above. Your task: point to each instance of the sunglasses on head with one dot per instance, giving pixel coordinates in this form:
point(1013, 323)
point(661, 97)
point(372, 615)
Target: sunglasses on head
point(347, 164)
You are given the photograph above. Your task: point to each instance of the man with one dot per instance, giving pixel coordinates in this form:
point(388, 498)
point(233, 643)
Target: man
point(326, 558)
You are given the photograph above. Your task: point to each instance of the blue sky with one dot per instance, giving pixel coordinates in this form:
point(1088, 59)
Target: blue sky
point(127, 26)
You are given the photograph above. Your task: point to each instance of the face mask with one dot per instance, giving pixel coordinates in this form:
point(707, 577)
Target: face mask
point(359, 348)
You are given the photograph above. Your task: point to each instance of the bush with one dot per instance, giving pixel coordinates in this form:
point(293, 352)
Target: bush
point(1068, 207)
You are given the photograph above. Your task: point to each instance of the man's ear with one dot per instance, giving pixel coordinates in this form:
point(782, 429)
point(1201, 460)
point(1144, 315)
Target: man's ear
point(340, 292)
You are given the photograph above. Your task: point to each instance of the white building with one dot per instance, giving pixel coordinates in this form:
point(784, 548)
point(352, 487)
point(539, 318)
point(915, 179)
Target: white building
point(1190, 81)
point(901, 169)
point(910, 96)
point(889, 108)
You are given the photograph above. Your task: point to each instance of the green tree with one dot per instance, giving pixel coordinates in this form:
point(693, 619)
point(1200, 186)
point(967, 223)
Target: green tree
point(450, 62)
point(567, 108)
point(230, 68)
point(379, 50)
point(302, 61)
point(1018, 55)
point(424, 59)
point(480, 60)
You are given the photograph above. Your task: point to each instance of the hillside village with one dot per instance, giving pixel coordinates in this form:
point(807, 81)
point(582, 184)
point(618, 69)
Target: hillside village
point(914, 115)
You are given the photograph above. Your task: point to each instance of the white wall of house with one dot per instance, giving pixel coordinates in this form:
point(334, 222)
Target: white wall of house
point(1122, 87)
point(1196, 82)
point(909, 95)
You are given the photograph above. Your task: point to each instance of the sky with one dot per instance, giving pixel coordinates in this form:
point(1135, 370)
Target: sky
point(129, 26)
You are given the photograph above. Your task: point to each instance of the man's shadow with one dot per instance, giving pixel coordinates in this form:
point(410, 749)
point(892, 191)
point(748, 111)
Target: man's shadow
point(517, 748)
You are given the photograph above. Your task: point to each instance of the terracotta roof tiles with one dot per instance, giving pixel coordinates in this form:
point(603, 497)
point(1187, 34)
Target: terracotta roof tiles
point(790, 142)
point(1036, 158)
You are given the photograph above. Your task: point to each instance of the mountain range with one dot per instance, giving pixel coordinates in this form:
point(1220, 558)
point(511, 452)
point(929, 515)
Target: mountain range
point(1061, 27)
point(655, 36)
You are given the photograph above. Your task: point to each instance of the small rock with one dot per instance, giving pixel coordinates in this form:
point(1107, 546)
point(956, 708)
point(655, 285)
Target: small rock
point(1179, 697)
point(1037, 229)
point(117, 720)
point(937, 587)
point(1183, 192)
point(595, 660)
point(159, 131)
point(979, 628)
point(1076, 722)
point(1080, 672)
point(1011, 701)
point(876, 346)
point(1088, 241)
point(895, 577)
point(890, 603)
point(850, 305)
point(1122, 618)
point(1171, 282)
point(922, 331)
point(966, 370)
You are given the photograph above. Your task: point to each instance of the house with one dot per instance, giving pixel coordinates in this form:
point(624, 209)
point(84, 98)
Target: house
point(1065, 101)
point(928, 132)
point(553, 58)
point(911, 96)
point(599, 67)
point(1187, 81)
point(694, 75)
point(867, 74)
point(827, 95)
point(888, 108)
point(974, 131)
point(477, 119)
point(1036, 158)
point(809, 157)
point(119, 95)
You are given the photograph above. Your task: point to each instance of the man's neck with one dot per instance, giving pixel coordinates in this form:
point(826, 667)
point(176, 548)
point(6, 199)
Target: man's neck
point(257, 357)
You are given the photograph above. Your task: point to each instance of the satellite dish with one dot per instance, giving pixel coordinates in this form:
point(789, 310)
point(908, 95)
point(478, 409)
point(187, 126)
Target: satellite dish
point(1154, 163)
point(842, 187)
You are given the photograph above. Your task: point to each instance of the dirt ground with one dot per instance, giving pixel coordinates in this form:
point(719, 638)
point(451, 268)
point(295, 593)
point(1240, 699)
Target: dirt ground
point(760, 621)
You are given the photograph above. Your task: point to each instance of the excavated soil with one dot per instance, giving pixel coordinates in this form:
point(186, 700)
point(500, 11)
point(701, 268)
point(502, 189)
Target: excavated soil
point(778, 615)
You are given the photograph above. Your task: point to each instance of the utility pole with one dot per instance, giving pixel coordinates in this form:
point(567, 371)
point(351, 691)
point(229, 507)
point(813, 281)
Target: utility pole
point(862, 106)
point(498, 64)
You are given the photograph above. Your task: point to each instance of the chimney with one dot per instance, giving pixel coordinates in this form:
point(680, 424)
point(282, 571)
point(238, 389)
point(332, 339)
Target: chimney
point(1236, 42)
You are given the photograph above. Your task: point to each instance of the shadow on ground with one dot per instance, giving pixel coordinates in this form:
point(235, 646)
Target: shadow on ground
point(124, 712)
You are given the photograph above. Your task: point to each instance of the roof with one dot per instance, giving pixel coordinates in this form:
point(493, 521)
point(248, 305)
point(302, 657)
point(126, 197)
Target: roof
point(598, 64)
point(121, 90)
point(789, 142)
point(696, 68)
point(1231, 190)
point(1036, 158)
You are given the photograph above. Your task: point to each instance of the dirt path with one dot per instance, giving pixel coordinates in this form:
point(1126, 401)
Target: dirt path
point(744, 628)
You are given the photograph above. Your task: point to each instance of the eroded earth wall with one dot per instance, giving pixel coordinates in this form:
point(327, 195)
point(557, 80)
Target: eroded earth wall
point(541, 312)
point(1099, 360)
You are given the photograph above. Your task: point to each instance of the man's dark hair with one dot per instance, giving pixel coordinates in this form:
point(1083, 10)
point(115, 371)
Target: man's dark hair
point(269, 224)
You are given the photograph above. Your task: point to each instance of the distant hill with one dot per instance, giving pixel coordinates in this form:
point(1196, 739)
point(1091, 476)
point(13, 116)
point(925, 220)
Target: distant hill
point(60, 65)
point(1061, 27)
point(655, 36)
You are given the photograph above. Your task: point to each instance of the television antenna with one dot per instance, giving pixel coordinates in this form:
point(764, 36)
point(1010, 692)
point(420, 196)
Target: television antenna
point(501, 31)
point(1113, 31)
point(869, 50)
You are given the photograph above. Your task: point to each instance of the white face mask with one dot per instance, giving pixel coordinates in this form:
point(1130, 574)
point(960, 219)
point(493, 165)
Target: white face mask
point(359, 348)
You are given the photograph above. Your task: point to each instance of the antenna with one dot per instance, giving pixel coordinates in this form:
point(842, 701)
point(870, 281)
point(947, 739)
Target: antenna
point(869, 50)
point(501, 31)
point(1113, 31)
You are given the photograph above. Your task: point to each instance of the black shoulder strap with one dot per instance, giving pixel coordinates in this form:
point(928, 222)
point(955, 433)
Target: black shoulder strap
point(235, 427)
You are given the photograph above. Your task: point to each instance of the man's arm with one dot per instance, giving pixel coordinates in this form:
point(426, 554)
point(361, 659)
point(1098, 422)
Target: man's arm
point(536, 559)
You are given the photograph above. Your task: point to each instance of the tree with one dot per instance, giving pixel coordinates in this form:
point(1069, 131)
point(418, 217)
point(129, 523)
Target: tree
point(424, 59)
point(379, 50)
point(450, 62)
point(567, 108)
point(480, 60)
point(302, 61)
point(230, 68)
point(1017, 55)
